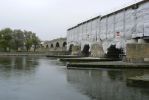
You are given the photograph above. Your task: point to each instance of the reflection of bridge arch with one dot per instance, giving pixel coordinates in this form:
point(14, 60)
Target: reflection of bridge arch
point(57, 45)
point(85, 50)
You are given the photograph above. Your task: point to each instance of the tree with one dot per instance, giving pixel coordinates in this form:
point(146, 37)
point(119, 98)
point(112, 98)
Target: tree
point(5, 39)
point(18, 37)
point(35, 41)
point(28, 40)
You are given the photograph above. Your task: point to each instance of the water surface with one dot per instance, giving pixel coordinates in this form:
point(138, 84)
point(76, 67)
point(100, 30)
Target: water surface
point(39, 78)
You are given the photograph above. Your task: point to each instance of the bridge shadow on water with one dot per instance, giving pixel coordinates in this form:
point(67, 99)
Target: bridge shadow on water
point(107, 84)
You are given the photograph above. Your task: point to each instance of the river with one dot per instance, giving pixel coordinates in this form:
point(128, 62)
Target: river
point(41, 78)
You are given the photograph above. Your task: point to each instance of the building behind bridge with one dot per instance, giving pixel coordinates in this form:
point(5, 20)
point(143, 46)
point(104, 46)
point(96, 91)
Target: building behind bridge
point(114, 31)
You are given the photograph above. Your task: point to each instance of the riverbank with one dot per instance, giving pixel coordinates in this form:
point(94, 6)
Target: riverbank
point(50, 53)
point(22, 54)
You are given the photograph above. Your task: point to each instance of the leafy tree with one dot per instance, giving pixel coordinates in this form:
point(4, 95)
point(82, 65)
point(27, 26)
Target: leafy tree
point(35, 41)
point(5, 39)
point(28, 40)
point(18, 37)
point(15, 39)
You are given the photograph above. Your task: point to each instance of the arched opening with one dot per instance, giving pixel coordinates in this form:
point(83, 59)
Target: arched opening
point(70, 48)
point(64, 44)
point(114, 52)
point(57, 45)
point(85, 51)
point(47, 46)
point(51, 45)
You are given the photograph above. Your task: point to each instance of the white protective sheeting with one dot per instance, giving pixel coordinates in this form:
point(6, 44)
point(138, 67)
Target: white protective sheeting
point(130, 23)
point(80, 34)
point(69, 36)
point(143, 15)
point(73, 35)
point(94, 30)
point(76, 38)
point(120, 29)
point(139, 23)
point(114, 29)
point(110, 28)
point(103, 34)
point(110, 32)
point(84, 30)
point(98, 30)
point(89, 31)
point(103, 27)
point(119, 23)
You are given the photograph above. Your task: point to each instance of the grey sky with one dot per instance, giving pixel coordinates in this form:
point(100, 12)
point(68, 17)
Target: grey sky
point(51, 18)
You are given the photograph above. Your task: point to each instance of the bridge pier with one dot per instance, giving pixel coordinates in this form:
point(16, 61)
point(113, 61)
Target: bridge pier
point(97, 50)
point(142, 41)
point(132, 41)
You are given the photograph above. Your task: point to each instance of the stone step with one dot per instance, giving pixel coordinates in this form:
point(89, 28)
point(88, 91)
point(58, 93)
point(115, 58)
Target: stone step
point(86, 59)
point(108, 64)
point(63, 56)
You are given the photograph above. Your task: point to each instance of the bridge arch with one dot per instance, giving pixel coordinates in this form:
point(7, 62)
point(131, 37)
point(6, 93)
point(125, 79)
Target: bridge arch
point(114, 52)
point(85, 51)
point(47, 46)
point(57, 45)
point(52, 46)
point(64, 44)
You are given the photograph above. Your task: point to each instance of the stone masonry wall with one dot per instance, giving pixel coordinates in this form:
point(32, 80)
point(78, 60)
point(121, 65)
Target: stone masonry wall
point(137, 52)
point(97, 50)
point(76, 50)
point(57, 44)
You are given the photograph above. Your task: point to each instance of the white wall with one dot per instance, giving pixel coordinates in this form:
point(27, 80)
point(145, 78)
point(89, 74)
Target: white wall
point(130, 23)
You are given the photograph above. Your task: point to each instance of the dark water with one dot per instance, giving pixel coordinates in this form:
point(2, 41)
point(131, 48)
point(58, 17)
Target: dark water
point(24, 78)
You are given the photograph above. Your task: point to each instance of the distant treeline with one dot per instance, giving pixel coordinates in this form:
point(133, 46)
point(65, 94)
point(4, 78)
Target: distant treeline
point(18, 40)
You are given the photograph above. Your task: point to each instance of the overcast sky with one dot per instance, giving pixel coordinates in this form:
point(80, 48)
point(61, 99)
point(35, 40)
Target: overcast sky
point(51, 18)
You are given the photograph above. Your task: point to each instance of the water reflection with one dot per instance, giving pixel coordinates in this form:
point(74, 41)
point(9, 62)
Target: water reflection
point(10, 66)
point(30, 78)
point(107, 84)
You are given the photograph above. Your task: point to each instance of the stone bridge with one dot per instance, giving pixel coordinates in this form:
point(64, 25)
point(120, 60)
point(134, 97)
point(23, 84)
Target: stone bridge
point(108, 35)
point(58, 44)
